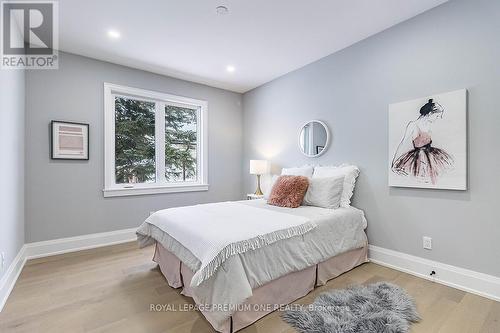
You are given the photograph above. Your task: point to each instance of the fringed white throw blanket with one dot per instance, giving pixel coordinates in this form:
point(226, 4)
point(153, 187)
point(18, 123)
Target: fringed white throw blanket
point(214, 232)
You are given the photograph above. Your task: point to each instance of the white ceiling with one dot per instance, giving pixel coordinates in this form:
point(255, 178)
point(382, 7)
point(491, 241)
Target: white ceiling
point(262, 39)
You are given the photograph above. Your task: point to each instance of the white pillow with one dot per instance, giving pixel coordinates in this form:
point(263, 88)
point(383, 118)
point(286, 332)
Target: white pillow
point(306, 171)
point(324, 192)
point(267, 185)
point(350, 172)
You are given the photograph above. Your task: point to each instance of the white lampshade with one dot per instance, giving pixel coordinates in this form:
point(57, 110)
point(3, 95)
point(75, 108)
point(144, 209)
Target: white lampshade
point(259, 167)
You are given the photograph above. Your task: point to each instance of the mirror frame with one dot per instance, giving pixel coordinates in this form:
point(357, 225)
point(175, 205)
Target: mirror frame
point(327, 144)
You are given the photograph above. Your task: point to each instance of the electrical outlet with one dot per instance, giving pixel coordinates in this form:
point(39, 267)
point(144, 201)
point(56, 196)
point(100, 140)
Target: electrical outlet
point(427, 242)
point(2, 260)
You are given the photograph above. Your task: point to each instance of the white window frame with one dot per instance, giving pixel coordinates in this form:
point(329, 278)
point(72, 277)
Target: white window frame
point(111, 189)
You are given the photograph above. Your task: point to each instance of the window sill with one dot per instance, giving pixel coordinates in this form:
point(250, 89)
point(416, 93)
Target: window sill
point(121, 192)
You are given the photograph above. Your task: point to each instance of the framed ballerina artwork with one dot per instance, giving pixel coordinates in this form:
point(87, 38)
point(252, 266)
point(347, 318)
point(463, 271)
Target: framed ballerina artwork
point(428, 142)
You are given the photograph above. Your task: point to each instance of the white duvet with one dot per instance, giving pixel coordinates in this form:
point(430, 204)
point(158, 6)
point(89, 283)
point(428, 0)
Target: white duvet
point(214, 232)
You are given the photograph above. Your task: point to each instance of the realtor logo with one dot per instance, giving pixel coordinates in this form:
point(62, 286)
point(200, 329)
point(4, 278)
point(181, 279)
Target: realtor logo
point(29, 36)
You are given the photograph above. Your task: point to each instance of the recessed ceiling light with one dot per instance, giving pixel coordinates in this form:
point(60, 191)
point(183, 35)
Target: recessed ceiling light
point(222, 10)
point(230, 68)
point(114, 34)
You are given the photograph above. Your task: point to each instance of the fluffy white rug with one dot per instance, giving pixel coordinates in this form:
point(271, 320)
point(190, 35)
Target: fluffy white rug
point(376, 308)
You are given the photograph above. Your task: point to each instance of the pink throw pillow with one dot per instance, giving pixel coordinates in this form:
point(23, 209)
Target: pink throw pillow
point(288, 191)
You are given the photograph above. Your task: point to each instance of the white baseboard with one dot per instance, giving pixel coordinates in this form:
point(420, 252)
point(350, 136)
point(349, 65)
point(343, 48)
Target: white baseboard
point(55, 247)
point(460, 278)
point(10, 277)
point(78, 243)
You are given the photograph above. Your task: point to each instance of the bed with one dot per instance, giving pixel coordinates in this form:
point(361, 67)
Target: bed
point(242, 283)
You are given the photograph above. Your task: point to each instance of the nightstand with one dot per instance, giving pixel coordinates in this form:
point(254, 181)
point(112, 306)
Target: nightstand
point(254, 196)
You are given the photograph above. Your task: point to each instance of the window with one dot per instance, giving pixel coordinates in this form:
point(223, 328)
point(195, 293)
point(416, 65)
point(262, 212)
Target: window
point(154, 142)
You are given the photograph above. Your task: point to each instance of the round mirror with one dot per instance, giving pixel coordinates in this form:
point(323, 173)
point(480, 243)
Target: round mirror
point(314, 138)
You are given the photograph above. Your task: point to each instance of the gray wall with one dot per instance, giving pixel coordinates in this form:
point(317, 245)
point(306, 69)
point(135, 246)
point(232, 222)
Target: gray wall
point(64, 198)
point(12, 93)
point(450, 47)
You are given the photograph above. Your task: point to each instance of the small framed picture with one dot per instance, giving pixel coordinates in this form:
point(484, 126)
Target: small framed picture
point(319, 149)
point(69, 141)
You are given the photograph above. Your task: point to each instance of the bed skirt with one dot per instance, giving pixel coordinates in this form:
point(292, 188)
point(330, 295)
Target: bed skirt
point(283, 290)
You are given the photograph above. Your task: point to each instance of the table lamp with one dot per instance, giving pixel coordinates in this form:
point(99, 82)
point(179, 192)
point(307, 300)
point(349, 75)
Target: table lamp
point(259, 167)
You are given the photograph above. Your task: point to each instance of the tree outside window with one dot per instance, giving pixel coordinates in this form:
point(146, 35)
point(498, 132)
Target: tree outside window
point(134, 141)
point(180, 144)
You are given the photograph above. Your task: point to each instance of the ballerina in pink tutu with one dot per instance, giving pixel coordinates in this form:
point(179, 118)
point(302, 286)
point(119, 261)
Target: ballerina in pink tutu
point(415, 155)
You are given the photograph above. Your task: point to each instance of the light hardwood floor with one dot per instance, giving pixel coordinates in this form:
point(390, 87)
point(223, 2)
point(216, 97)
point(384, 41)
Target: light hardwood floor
point(110, 290)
